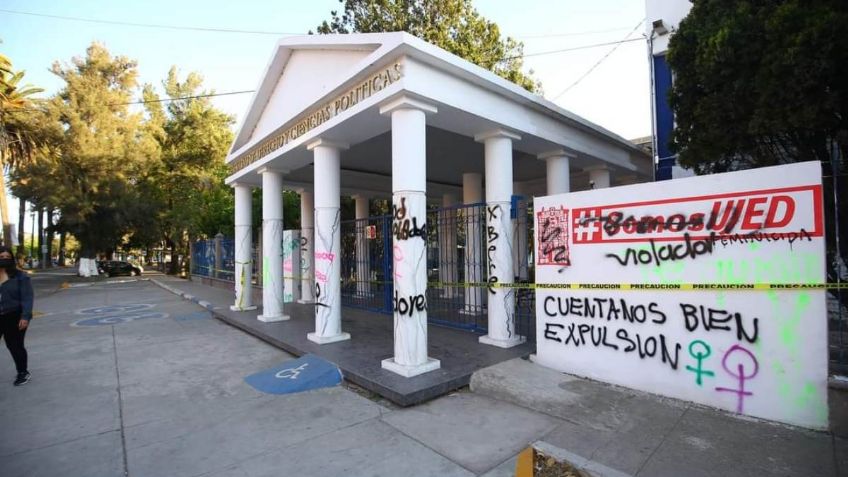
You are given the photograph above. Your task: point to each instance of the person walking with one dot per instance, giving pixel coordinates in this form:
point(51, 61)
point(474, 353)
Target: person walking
point(15, 311)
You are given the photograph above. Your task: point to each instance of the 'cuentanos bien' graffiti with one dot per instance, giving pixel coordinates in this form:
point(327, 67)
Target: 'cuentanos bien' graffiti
point(761, 353)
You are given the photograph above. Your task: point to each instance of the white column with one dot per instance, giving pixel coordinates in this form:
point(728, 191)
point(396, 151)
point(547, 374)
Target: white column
point(328, 292)
point(447, 245)
point(409, 236)
point(307, 248)
point(599, 177)
point(272, 246)
point(558, 171)
point(519, 235)
point(244, 246)
point(363, 263)
point(472, 193)
point(501, 309)
point(291, 265)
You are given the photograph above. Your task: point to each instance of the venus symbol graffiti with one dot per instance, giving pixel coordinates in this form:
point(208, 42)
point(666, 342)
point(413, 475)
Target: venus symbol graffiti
point(116, 314)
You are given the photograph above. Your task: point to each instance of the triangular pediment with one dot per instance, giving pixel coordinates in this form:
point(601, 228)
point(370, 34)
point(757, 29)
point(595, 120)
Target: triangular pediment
point(301, 71)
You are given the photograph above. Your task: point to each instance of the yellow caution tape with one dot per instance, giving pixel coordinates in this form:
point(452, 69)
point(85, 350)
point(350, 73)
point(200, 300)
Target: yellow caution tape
point(612, 286)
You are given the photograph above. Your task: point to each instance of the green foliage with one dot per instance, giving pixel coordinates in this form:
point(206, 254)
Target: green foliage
point(187, 184)
point(450, 24)
point(118, 178)
point(759, 83)
point(96, 152)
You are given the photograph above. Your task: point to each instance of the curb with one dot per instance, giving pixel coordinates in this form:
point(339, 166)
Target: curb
point(186, 296)
point(105, 282)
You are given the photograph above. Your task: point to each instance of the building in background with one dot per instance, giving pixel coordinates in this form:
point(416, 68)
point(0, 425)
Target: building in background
point(661, 19)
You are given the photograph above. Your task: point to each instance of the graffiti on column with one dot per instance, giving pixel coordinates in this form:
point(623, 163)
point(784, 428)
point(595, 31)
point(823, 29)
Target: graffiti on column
point(497, 223)
point(405, 227)
point(324, 262)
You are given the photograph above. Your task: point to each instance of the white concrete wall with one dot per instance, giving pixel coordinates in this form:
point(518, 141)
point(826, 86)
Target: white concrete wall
point(759, 352)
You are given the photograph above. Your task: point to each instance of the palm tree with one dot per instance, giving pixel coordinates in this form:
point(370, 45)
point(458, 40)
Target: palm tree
point(18, 139)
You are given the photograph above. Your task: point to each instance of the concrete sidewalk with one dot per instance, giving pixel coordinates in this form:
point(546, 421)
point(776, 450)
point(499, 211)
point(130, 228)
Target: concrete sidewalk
point(642, 434)
point(606, 430)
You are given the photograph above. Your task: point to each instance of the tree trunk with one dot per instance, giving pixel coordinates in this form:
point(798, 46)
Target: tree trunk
point(174, 269)
point(21, 217)
point(49, 238)
point(38, 252)
point(62, 249)
point(4, 211)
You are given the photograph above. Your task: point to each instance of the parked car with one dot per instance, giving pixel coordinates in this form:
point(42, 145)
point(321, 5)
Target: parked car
point(114, 268)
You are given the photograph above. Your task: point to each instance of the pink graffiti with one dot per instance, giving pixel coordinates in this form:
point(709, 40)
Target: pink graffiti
point(397, 253)
point(321, 277)
point(739, 373)
point(287, 265)
point(328, 256)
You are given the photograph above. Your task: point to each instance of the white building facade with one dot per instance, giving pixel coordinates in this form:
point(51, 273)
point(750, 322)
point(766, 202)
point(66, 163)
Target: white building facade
point(388, 115)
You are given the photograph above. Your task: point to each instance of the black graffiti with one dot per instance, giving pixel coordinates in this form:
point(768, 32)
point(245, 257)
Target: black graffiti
point(759, 236)
point(492, 250)
point(610, 309)
point(404, 227)
point(318, 304)
point(578, 335)
point(408, 305)
point(548, 235)
point(722, 220)
point(714, 319)
point(689, 249)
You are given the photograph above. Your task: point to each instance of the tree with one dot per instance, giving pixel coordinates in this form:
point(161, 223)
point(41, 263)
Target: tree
point(763, 82)
point(103, 151)
point(450, 24)
point(759, 83)
point(188, 183)
point(18, 135)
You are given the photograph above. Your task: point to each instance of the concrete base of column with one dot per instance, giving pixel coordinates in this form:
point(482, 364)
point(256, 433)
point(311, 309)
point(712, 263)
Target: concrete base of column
point(272, 319)
point(242, 308)
point(389, 364)
point(507, 343)
point(306, 302)
point(313, 337)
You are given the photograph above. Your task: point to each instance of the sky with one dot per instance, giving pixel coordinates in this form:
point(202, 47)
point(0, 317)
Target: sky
point(615, 94)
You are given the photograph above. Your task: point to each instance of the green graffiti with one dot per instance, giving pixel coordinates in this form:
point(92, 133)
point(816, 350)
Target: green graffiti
point(699, 355)
point(789, 328)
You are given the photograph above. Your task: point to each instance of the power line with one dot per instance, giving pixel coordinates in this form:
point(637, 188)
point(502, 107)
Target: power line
point(148, 25)
point(576, 33)
point(563, 50)
point(164, 100)
point(590, 70)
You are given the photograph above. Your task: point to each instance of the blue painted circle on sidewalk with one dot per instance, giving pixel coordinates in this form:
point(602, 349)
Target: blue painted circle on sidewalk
point(303, 374)
point(115, 314)
point(112, 309)
point(122, 318)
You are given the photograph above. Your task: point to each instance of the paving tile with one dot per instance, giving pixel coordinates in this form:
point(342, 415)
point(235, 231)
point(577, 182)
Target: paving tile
point(369, 449)
point(93, 456)
point(707, 443)
point(475, 431)
point(218, 442)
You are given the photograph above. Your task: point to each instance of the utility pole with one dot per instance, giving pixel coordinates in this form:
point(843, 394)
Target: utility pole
point(32, 235)
point(41, 245)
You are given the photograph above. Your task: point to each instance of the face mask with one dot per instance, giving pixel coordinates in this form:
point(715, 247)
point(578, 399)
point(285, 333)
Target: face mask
point(7, 262)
